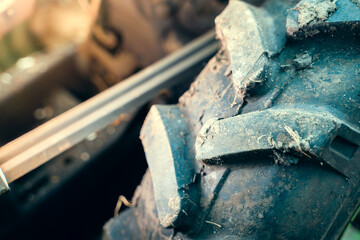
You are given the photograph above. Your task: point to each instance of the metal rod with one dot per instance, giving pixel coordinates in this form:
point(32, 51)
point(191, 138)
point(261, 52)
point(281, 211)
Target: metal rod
point(61, 133)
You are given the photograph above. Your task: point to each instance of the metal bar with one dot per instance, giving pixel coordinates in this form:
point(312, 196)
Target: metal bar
point(61, 133)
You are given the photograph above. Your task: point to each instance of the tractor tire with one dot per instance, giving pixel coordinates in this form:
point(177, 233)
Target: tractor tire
point(265, 143)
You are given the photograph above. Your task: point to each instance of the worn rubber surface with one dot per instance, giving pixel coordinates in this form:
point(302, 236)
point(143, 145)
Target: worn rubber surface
point(265, 143)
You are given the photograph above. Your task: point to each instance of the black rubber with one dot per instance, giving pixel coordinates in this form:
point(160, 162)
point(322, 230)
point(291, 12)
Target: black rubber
point(265, 143)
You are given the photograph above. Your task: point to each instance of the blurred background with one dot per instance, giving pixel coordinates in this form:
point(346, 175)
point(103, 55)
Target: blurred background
point(55, 54)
